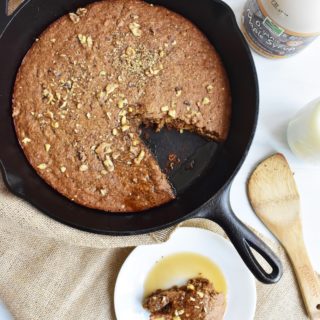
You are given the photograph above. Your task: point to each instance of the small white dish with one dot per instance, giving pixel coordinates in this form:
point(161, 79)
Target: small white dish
point(241, 289)
point(4, 313)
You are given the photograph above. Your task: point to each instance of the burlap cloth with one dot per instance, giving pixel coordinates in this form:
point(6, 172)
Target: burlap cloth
point(50, 271)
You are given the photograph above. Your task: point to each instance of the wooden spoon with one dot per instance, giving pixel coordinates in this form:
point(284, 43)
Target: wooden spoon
point(275, 199)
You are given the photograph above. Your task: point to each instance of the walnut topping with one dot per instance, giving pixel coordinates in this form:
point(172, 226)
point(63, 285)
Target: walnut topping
point(135, 29)
point(134, 150)
point(179, 312)
point(48, 96)
point(140, 157)
point(178, 91)
point(200, 294)
point(190, 286)
point(47, 147)
point(205, 101)
point(63, 169)
point(135, 142)
point(81, 12)
point(103, 192)
point(114, 132)
point(89, 42)
point(115, 155)
point(122, 113)
point(42, 166)
point(82, 38)
point(130, 52)
point(108, 164)
point(172, 113)
point(209, 88)
point(74, 17)
point(103, 149)
point(55, 124)
point(85, 40)
point(102, 73)
point(83, 168)
point(123, 120)
point(26, 140)
point(111, 87)
point(165, 108)
point(122, 103)
point(125, 128)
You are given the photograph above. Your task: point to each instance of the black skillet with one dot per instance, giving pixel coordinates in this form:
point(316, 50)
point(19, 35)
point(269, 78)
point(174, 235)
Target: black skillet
point(203, 177)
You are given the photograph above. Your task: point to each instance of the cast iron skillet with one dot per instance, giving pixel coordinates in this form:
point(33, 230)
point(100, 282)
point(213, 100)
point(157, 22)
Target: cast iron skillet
point(204, 176)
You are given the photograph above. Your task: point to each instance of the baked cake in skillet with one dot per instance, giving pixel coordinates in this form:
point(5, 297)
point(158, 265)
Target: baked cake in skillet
point(89, 82)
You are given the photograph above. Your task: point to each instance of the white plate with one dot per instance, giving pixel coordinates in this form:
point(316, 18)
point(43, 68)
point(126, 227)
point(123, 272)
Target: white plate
point(241, 296)
point(4, 313)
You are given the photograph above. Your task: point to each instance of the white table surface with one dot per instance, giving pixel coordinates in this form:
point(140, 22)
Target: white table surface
point(286, 85)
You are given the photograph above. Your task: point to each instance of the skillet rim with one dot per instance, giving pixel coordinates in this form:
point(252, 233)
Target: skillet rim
point(185, 216)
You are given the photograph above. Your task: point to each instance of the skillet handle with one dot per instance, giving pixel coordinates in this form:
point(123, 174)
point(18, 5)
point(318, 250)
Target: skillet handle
point(245, 240)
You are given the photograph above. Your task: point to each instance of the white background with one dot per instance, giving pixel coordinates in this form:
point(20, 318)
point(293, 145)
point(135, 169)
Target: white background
point(286, 85)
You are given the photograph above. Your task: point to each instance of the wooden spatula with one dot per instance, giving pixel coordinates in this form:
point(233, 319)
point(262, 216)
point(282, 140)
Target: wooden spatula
point(275, 199)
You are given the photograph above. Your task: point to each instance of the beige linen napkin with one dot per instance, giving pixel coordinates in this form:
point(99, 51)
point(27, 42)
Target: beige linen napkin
point(53, 272)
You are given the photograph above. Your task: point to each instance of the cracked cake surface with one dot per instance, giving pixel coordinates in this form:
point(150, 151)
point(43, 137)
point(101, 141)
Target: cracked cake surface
point(93, 77)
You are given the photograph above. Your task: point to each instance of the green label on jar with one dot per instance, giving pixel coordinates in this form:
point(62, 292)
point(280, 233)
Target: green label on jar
point(269, 38)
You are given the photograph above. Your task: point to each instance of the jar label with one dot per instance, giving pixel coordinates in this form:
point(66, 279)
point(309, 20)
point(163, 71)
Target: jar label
point(268, 38)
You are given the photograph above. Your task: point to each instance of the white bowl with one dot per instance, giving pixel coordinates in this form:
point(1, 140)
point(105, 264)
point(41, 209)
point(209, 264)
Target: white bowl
point(241, 289)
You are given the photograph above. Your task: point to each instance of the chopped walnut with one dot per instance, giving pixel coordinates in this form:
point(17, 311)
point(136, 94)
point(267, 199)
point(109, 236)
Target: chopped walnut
point(172, 113)
point(102, 149)
point(47, 147)
point(209, 88)
point(55, 125)
point(42, 166)
point(82, 38)
point(165, 108)
point(26, 140)
point(130, 52)
point(103, 192)
point(89, 42)
point(81, 12)
point(108, 164)
point(111, 87)
point(74, 17)
point(135, 29)
point(122, 103)
point(125, 128)
point(123, 120)
point(205, 101)
point(140, 157)
point(178, 91)
point(83, 168)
